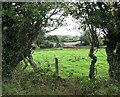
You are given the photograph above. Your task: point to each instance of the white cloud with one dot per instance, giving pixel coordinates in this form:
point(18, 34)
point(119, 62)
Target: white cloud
point(70, 27)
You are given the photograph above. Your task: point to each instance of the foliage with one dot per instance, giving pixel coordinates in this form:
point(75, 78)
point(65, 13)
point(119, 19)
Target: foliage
point(104, 16)
point(86, 38)
point(36, 84)
point(22, 23)
point(48, 41)
point(46, 44)
point(52, 38)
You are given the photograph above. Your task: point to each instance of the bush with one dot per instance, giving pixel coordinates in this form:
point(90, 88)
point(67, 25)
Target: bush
point(46, 44)
point(37, 84)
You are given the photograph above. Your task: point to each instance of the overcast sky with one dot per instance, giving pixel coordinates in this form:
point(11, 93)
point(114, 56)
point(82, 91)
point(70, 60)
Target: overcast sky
point(69, 28)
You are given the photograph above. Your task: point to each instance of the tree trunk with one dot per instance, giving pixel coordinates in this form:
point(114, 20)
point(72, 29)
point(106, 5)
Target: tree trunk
point(113, 58)
point(32, 63)
point(94, 44)
point(94, 59)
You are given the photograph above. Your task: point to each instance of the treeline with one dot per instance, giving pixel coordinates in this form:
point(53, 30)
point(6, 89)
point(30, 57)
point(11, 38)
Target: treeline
point(54, 41)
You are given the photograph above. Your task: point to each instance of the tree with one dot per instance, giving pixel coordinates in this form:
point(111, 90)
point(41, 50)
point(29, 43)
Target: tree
point(22, 23)
point(104, 16)
point(54, 38)
point(86, 38)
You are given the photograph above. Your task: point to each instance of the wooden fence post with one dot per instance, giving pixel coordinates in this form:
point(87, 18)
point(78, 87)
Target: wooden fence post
point(56, 67)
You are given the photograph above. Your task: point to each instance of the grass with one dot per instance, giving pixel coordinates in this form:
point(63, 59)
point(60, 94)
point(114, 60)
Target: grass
point(72, 62)
point(74, 69)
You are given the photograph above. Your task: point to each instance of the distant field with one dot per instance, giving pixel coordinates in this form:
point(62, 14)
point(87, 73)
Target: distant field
point(72, 62)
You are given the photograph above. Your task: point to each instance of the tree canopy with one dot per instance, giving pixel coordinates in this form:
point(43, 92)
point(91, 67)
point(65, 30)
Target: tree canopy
point(22, 23)
point(106, 17)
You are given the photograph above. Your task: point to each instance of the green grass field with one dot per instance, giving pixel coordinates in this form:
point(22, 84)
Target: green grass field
point(74, 69)
point(72, 62)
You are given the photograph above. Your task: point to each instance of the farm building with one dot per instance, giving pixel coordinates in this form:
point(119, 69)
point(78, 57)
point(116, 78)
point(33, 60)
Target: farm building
point(72, 44)
point(68, 44)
